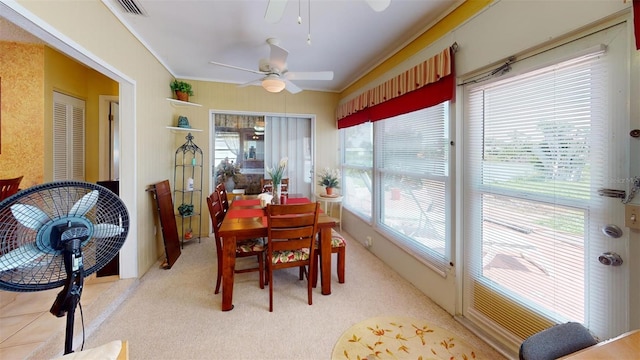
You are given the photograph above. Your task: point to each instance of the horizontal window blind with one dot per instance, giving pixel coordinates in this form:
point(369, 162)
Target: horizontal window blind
point(413, 171)
point(357, 169)
point(532, 156)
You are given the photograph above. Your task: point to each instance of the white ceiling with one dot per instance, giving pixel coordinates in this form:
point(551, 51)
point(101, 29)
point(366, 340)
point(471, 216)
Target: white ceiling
point(347, 36)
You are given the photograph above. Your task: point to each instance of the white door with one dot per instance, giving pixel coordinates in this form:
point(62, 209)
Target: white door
point(539, 145)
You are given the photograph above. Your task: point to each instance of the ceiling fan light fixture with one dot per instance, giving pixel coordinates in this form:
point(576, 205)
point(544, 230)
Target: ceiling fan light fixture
point(273, 84)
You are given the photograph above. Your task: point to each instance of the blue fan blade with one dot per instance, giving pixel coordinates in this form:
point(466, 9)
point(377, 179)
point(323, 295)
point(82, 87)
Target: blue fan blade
point(20, 257)
point(29, 216)
point(86, 203)
point(106, 230)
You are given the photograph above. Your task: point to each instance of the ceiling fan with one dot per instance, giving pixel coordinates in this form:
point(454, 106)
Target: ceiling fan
point(275, 8)
point(276, 76)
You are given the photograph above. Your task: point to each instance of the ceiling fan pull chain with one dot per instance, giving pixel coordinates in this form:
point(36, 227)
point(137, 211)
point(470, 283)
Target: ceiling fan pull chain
point(299, 17)
point(309, 34)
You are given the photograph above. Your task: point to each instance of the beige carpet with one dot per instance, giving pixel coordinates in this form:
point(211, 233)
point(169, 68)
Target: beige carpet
point(174, 314)
point(400, 338)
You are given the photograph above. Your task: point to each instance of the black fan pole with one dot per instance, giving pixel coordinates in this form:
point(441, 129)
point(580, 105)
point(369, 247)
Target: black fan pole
point(68, 299)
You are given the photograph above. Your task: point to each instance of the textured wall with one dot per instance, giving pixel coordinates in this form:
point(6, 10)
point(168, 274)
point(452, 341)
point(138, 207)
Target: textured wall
point(22, 150)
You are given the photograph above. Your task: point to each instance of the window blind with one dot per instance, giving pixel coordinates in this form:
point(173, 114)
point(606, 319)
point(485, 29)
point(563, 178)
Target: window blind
point(412, 163)
point(534, 159)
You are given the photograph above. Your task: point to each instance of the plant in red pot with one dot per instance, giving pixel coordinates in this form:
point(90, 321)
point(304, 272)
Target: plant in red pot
point(329, 178)
point(182, 89)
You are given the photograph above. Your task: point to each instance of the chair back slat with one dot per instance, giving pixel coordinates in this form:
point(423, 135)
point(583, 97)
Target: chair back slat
point(223, 198)
point(9, 187)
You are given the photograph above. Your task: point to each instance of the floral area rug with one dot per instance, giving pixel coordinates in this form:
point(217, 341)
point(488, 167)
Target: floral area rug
point(400, 338)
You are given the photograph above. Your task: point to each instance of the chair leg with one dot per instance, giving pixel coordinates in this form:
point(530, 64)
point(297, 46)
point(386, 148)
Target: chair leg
point(261, 269)
point(270, 271)
point(219, 278)
point(341, 263)
point(314, 276)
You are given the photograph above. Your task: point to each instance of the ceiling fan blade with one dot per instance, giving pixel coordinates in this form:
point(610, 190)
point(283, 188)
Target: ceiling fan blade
point(379, 5)
point(19, 257)
point(86, 203)
point(102, 231)
point(278, 56)
point(275, 9)
point(291, 87)
point(237, 68)
point(310, 75)
point(252, 82)
point(29, 216)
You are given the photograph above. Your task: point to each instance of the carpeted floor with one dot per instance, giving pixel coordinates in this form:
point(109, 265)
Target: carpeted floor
point(174, 314)
point(400, 338)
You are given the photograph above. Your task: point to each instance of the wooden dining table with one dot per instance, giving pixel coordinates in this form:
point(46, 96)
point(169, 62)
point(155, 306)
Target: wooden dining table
point(623, 347)
point(247, 219)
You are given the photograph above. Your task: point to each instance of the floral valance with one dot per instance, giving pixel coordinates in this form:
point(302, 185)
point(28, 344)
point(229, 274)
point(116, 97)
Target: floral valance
point(431, 71)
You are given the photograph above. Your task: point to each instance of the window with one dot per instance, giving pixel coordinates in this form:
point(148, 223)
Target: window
point(409, 182)
point(537, 149)
point(68, 137)
point(412, 168)
point(357, 169)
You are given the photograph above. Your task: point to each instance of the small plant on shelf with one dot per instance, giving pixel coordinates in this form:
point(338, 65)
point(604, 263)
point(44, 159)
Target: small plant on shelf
point(182, 89)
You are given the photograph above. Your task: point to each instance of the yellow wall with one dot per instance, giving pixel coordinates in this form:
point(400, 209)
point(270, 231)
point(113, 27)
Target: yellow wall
point(30, 73)
point(69, 77)
point(22, 87)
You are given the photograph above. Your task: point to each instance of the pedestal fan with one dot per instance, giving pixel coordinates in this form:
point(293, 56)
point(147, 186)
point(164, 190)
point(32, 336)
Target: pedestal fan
point(56, 234)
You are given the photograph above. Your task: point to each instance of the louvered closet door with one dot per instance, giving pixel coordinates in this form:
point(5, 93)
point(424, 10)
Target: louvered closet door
point(68, 137)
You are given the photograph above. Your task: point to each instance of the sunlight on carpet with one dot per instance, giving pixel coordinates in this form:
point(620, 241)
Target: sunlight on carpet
point(400, 338)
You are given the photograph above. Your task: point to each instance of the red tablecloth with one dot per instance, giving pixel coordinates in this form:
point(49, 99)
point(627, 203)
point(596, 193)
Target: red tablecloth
point(244, 213)
point(250, 202)
point(247, 213)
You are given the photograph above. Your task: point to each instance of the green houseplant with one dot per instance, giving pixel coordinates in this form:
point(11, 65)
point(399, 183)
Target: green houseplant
point(228, 173)
point(329, 178)
point(182, 89)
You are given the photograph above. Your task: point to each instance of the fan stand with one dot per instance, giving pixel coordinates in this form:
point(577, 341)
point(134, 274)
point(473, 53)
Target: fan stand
point(68, 299)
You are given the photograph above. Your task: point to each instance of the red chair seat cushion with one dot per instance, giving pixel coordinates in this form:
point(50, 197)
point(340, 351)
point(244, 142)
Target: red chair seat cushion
point(285, 256)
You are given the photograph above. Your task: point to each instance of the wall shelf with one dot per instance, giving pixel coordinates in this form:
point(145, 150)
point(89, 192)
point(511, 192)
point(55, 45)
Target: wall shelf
point(175, 102)
point(174, 129)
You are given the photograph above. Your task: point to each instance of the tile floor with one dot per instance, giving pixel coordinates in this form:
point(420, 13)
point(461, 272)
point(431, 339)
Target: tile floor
point(26, 323)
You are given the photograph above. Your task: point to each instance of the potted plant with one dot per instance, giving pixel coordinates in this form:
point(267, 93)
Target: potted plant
point(276, 173)
point(182, 89)
point(227, 172)
point(329, 179)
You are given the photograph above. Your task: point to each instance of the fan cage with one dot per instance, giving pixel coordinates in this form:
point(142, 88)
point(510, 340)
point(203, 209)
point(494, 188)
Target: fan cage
point(56, 199)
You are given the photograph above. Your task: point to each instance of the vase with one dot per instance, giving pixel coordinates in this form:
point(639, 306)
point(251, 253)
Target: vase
point(277, 192)
point(329, 190)
point(229, 185)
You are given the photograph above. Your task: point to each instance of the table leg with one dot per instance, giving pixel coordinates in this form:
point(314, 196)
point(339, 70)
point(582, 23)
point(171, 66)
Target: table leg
point(228, 265)
point(325, 258)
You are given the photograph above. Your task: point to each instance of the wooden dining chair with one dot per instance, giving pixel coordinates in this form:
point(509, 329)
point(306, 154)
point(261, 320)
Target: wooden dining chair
point(224, 199)
point(292, 231)
point(244, 247)
point(267, 185)
point(338, 246)
point(9, 187)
